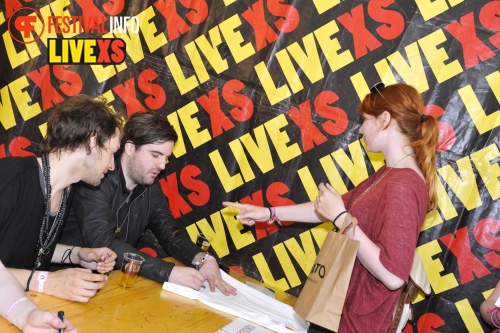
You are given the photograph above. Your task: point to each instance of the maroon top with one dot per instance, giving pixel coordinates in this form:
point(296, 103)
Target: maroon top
point(391, 214)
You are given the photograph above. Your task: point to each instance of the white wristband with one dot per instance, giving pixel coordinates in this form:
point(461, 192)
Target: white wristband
point(42, 278)
point(206, 258)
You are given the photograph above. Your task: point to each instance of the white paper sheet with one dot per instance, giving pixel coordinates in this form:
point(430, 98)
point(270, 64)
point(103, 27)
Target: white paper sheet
point(242, 326)
point(248, 304)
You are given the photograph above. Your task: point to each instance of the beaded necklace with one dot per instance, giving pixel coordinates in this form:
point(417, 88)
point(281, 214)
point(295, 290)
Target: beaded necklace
point(47, 237)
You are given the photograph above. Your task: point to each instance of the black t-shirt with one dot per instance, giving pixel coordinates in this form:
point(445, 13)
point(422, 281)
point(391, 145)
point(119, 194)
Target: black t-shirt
point(21, 213)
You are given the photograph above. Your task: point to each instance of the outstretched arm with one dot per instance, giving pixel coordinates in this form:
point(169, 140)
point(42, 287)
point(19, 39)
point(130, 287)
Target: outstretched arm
point(250, 214)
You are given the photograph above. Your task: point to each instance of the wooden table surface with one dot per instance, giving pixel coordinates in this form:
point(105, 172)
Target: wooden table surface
point(144, 308)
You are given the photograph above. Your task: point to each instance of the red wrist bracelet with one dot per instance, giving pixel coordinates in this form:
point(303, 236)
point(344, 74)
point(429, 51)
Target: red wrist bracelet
point(273, 217)
point(347, 228)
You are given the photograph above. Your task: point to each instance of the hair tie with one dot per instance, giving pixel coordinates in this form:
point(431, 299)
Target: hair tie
point(422, 118)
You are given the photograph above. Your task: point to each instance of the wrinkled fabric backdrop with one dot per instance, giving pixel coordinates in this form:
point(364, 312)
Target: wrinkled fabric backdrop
point(264, 96)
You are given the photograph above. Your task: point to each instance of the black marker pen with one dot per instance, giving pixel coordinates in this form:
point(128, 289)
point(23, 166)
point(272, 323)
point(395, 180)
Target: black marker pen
point(198, 268)
point(60, 314)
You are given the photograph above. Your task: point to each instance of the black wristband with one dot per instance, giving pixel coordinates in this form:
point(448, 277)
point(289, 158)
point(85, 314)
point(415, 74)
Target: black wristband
point(342, 213)
point(67, 255)
point(29, 280)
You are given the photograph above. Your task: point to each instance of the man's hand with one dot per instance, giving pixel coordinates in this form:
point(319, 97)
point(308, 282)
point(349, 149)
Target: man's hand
point(211, 271)
point(187, 276)
point(99, 259)
point(74, 284)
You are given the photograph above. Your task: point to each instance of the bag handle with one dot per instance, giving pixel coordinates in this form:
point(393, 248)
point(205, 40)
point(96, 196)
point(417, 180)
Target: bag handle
point(348, 221)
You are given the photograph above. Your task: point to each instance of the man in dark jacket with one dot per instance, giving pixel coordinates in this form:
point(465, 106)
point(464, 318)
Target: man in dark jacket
point(130, 199)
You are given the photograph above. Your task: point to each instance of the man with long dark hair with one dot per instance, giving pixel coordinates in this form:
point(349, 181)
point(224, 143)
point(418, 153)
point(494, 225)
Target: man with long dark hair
point(82, 136)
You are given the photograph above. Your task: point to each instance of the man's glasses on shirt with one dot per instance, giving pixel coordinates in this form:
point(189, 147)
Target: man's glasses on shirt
point(377, 87)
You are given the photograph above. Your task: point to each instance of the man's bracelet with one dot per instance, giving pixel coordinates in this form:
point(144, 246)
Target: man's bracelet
point(29, 280)
point(207, 257)
point(67, 255)
point(42, 278)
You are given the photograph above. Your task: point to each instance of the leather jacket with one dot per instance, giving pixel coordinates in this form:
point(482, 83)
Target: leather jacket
point(95, 211)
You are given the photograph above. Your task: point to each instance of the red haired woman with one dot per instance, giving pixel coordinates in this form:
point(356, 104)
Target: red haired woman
point(390, 205)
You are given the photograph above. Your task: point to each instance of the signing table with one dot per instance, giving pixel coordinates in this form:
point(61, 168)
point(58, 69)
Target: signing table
point(144, 308)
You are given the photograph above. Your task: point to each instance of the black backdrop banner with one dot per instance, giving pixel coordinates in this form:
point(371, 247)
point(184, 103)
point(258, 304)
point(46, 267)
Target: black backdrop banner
point(264, 96)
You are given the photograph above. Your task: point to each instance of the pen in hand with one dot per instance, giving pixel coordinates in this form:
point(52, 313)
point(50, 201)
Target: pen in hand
point(60, 314)
point(198, 268)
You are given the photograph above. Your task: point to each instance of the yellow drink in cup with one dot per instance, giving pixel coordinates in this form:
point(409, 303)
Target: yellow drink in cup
point(130, 269)
point(203, 241)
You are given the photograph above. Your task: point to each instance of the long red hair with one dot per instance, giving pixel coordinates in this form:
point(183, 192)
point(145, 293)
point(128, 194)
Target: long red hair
point(406, 107)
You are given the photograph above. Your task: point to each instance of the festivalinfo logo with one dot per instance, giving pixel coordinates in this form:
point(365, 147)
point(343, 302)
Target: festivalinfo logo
point(27, 25)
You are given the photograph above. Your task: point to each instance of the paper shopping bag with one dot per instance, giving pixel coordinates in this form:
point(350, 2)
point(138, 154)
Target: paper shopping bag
point(322, 298)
